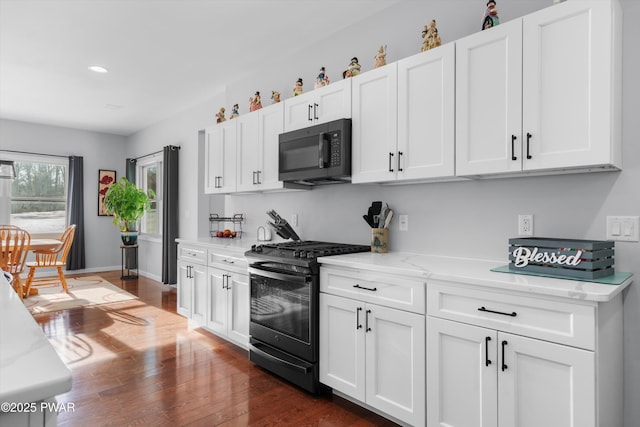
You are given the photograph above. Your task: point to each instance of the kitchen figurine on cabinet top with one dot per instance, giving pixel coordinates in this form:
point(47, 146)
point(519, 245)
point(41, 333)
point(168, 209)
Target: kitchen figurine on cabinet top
point(380, 58)
point(430, 36)
point(297, 89)
point(254, 102)
point(220, 115)
point(490, 18)
point(275, 96)
point(353, 69)
point(322, 79)
point(234, 112)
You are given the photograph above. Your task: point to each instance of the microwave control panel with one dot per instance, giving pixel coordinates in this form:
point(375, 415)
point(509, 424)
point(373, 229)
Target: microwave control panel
point(336, 146)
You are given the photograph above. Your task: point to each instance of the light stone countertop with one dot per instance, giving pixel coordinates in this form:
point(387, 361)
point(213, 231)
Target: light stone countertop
point(30, 368)
point(474, 272)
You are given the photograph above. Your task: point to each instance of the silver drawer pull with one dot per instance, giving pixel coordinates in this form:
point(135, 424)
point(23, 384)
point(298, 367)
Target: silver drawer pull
point(228, 262)
point(366, 289)
point(512, 314)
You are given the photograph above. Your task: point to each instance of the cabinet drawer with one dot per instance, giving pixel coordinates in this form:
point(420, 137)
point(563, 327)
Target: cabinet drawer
point(555, 321)
point(226, 261)
point(381, 289)
point(193, 254)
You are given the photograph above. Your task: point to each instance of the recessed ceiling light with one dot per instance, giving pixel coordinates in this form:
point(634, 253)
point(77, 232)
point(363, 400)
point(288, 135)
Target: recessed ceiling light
point(98, 69)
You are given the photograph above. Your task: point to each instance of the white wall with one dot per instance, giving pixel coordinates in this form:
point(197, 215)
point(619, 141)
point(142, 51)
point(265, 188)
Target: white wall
point(100, 151)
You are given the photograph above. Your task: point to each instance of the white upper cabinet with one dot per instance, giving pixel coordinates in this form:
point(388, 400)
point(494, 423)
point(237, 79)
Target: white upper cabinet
point(258, 149)
point(541, 92)
point(404, 119)
point(220, 158)
point(426, 114)
point(374, 125)
point(317, 106)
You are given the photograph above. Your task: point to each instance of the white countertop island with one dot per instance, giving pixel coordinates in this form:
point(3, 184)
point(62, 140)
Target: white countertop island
point(30, 369)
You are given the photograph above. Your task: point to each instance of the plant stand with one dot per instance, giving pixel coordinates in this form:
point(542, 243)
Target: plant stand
point(127, 261)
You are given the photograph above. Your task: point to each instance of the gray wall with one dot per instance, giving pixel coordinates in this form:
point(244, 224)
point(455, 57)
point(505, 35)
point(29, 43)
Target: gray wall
point(100, 151)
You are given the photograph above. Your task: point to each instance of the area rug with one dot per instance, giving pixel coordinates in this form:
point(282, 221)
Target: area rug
point(84, 291)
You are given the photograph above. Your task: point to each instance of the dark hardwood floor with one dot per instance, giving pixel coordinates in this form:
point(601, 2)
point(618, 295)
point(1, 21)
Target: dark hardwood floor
point(138, 363)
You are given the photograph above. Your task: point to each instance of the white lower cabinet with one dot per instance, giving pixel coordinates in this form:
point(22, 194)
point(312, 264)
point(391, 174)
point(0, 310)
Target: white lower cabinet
point(213, 290)
point(500, 360)
point(228, 305)
point(374, 354)
point(482, 377)
point(192, 283)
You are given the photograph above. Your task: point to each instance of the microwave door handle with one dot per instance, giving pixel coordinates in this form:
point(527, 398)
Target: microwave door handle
point(323, 151)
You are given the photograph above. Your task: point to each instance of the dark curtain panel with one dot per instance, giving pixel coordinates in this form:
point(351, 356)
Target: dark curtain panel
point(75, 205)
point(131, 260)
point(130, 169)
point(170, 214)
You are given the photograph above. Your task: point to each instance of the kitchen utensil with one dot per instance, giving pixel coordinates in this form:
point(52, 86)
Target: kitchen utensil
point(281, 226)
point(387, 220)
point(367, 220)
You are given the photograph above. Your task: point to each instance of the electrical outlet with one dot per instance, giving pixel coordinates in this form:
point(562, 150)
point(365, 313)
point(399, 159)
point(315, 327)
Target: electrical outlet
point(525, 225)
point(403, 222)
point(294, 220)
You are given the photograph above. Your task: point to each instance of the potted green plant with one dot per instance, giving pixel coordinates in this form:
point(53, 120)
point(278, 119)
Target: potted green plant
point(127, 203)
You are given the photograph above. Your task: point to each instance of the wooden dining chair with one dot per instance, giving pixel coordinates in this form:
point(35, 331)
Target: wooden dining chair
point(51, 258)
point(14, 247)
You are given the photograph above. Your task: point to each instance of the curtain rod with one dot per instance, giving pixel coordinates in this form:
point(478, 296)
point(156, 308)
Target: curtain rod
point(37, 154)
point(173, 147)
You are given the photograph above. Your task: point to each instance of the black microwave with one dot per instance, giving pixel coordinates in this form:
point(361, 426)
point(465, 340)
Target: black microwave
point(319, 154)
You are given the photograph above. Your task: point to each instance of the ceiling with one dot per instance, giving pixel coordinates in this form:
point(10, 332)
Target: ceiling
point(163, 56)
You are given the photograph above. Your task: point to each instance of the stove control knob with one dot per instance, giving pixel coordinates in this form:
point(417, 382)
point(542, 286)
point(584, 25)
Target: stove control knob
point(302, 254)
point(310, 255)
point(296, 254)
point(257, 249)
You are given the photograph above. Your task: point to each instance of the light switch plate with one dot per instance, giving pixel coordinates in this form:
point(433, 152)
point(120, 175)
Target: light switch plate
point(623, 228)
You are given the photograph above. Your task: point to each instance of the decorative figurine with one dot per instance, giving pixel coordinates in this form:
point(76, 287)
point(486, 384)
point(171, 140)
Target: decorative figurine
point(297, 89)
point(220, 116)
point(322, 79)
point(234, 111)
point(275, 96)
point(380, 58)
point(430, 36)
point(254, 102)
point(353, 69)
point(490, 18)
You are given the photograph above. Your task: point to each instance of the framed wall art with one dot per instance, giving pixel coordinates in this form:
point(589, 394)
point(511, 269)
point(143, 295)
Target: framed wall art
point(106, 178)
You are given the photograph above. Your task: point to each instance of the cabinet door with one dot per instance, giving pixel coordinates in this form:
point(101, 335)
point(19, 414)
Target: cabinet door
point(238, 308)
point(544, 384)
point(247, 142)
point(461, 367)
point(395, 368)
point(298, 111)
point(199, 297)
point(271, 126)
point(342, 347)
point(220, 152)
point(332, 102)
point(217, 301)
point(426, 114)
point(567, 90)
point(489, 100)
point(374, 125)
point(185, 286)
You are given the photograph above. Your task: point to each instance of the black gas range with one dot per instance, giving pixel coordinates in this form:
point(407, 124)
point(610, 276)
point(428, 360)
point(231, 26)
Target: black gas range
point(285, 294)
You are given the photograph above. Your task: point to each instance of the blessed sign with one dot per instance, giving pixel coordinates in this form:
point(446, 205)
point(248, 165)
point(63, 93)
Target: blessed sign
point(523, 256)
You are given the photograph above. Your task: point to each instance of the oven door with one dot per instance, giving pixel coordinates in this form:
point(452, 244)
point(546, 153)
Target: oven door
point(284, 310)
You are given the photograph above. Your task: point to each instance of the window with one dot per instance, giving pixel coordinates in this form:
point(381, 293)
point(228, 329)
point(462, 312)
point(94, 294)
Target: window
point(38, 197)
point(150, 178)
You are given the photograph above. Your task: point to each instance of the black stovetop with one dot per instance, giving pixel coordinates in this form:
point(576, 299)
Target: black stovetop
point(303, 250)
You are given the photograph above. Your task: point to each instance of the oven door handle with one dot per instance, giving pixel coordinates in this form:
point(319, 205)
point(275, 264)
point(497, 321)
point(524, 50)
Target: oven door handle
point(278, 276)
point(274, 359)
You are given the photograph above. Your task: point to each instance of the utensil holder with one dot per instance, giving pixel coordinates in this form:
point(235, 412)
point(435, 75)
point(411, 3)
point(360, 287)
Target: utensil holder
point(380, 240)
